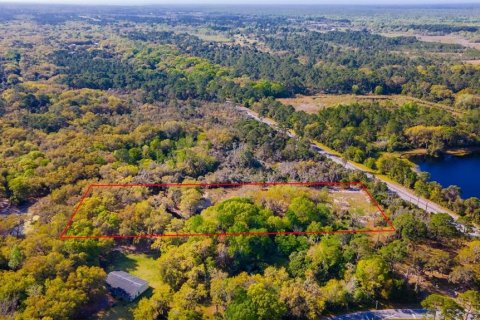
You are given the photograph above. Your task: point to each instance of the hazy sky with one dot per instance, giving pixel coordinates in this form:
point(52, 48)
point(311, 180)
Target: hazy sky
point(226, 2)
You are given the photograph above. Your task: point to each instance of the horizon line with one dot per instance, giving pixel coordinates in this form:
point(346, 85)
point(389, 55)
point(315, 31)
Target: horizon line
point(249, 3)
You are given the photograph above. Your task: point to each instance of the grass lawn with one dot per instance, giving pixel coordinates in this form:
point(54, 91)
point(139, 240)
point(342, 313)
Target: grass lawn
point(326, 148)
point(121, 311)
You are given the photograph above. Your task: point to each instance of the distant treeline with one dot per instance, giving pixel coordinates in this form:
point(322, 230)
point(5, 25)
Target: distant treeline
point(442, 28)
point(334, 62)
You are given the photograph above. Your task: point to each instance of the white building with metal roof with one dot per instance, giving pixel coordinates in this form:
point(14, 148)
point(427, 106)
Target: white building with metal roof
point(125, 285)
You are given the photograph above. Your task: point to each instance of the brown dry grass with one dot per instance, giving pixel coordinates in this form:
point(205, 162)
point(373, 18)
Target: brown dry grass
point(354, 200)
point(475, 62)
point(449, 39)
point(313, 104)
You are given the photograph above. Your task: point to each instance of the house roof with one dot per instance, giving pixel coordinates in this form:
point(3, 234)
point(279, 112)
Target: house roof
point(125, 281)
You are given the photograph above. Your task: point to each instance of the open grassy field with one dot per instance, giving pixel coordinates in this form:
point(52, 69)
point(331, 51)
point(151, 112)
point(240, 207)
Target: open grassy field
point(355, 200)
point(451, 38)
point(312, 104)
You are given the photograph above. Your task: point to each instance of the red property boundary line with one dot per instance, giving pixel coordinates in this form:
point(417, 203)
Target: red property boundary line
point(63, 235)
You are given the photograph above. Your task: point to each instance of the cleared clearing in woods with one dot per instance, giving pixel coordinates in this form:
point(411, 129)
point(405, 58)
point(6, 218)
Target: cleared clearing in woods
point(315, 103)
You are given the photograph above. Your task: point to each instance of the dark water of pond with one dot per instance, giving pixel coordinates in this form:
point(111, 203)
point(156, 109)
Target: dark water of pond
point(451, 170)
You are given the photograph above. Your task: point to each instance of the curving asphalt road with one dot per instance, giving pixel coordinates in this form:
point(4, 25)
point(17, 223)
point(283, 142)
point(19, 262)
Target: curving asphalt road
point(385, 314)
point(396, 314)
point(402, 192)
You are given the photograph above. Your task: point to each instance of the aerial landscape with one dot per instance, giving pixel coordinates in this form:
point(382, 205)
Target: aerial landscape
point(240, 160)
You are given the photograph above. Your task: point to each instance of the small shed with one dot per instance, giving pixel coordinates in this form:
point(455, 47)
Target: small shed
point(126, 286)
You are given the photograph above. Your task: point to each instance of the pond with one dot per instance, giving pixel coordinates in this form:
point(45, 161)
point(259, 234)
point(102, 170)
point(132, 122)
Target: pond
point(452, 170)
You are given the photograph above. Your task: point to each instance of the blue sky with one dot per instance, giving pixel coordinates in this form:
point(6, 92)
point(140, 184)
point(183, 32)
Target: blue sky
point(234, 2)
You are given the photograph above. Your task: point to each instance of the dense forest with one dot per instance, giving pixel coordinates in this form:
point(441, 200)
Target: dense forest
point(336, 62)
point(149, 95)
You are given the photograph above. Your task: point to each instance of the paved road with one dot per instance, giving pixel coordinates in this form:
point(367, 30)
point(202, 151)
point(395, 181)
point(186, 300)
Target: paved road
point(391, 314)
point(402, 192)
point(384, 314)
